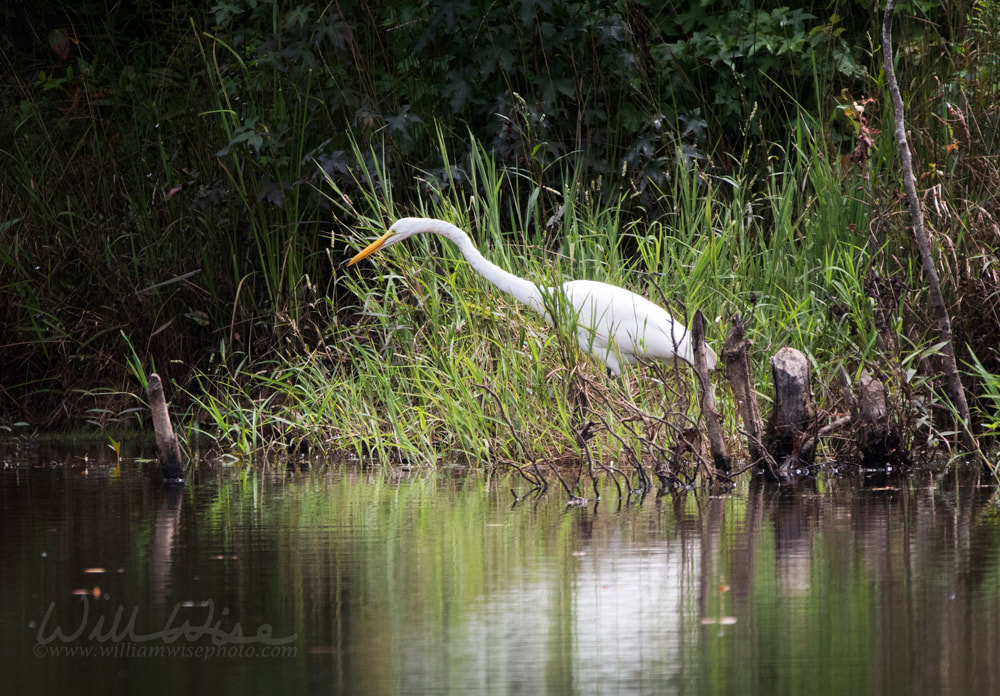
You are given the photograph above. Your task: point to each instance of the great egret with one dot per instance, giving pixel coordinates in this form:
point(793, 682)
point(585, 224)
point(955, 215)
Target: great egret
point(614, 325)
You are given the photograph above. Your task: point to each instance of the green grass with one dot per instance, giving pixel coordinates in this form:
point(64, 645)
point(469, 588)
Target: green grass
point(430, 362)
point(166, 212)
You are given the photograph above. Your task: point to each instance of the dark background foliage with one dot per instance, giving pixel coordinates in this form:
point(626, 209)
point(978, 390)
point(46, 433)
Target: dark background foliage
point(163, 162)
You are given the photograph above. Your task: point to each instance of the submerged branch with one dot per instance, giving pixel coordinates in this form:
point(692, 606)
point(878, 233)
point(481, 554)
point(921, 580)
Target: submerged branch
point(536, 479)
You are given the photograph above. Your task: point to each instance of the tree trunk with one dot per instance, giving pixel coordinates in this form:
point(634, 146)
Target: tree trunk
point(955, 389)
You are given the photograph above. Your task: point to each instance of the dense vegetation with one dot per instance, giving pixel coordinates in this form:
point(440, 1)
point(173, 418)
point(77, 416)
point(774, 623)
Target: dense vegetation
point(179, 189)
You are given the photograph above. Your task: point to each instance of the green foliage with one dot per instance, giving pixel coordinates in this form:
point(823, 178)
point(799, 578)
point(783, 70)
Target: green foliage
point(754, 56)
point(179, 187)
point(622, 84)
point(437, 363)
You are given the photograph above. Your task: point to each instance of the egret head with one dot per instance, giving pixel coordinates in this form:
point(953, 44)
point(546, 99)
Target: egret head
point(400, 230)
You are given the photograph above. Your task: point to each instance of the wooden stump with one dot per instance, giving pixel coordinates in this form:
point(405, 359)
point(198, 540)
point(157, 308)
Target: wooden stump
point(720, 459)
point(166, 441)
point(793, 413)
point(792, 434)
point(735, 355)
point(876, 439)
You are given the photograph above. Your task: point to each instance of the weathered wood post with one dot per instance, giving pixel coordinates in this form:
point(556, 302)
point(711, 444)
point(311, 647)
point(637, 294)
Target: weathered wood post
point(166, 440)
point(720, 459)
point(876, 439)
point(793, 413)
point(735, 355)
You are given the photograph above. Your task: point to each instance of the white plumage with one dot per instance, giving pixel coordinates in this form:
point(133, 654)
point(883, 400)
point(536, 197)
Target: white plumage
point(614, 325)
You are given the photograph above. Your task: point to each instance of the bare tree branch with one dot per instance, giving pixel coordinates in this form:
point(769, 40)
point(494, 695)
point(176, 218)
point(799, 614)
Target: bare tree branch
point(954, 383)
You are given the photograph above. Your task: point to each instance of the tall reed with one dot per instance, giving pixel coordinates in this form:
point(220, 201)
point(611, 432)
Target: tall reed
point(430, 361)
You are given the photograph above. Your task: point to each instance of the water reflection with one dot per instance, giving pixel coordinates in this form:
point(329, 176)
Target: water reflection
point(433, 583)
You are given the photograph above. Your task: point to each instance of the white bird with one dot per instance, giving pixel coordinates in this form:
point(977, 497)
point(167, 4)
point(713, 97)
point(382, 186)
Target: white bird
point(614, 325)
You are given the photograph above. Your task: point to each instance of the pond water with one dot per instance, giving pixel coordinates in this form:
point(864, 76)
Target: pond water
point(342, 581)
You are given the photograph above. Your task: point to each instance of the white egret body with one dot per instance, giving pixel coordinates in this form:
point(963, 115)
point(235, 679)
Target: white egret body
point(614, 325)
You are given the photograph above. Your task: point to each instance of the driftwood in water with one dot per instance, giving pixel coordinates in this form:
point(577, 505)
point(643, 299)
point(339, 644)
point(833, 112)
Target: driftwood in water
point(793, 414)
point(166, 440)
point(720, 459)
point(735, 355)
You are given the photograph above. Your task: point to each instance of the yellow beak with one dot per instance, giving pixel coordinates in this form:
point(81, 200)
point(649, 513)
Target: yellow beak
point(370, 249)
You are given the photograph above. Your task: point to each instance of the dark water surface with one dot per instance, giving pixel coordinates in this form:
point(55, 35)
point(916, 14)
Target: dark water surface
point(337, 581)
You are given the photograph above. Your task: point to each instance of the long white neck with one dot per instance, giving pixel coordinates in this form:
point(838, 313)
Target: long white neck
point(522, 290)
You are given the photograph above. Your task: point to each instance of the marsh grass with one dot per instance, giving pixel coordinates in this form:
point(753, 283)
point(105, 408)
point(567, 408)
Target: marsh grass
point(169, 216)
point(430, 362)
